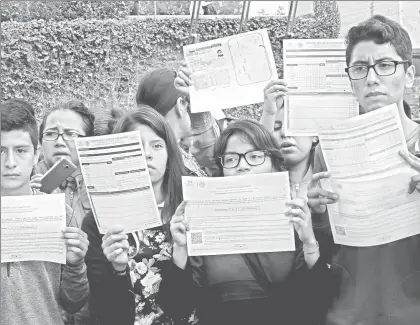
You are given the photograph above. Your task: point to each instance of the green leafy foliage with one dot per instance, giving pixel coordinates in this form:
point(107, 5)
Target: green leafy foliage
point(46, 61)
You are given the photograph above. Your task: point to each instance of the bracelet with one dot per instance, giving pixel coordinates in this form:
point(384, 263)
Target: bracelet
point(311, 252)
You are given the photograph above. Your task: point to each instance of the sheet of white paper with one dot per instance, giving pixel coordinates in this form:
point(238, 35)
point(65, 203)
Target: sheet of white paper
point(363, 145)
point(230, 71)
point(235, 215)
point(31, 228)
point(118, 182)
point(319, 88)
point(308, 110)
point(371, 179)
point(374, 210)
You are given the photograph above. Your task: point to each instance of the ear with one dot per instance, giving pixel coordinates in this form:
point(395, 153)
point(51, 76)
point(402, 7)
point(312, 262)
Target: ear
point(409, 76)
point(181, 107)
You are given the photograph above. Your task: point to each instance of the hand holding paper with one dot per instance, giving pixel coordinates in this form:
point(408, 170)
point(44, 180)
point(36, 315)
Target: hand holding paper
point(414, 162)
point(77, 245)
point(318, 198)
point(182, 81)
point(115, 247)
point(300, 216)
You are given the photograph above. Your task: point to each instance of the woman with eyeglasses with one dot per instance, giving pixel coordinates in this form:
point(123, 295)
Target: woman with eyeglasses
point(261, 288)
point(60, 127)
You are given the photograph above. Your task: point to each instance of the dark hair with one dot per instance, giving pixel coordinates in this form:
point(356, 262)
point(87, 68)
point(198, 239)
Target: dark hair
point(257, 135)
point(106, 119)
point(15, 115)
point(76, 106)
point(157, 90)
point(381, 30)
point(172, 185)
point(17, 103)
point(407, 109)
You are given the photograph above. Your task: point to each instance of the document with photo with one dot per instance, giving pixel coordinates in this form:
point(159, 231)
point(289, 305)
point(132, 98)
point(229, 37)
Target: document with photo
point(31, 228)
point(241, 214)
point(230, 71)
point(117, 179)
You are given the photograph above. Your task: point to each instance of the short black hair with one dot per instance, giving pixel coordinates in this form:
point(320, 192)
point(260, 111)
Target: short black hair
point(17, 115)
point(76, 106)
point(381, 30)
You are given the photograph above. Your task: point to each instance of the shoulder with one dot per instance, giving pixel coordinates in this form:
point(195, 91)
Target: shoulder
point(41, 167)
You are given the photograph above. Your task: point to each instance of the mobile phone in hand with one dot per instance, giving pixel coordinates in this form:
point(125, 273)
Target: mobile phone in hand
point(56, 175)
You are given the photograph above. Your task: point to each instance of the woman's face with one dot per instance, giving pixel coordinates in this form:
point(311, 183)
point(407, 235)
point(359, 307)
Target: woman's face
point(155, 151)
point(62, 121)
point(294, 149)
point(240, 144)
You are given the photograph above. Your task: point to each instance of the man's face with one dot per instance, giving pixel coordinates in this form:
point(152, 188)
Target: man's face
point(17, 160)
point(375, 91)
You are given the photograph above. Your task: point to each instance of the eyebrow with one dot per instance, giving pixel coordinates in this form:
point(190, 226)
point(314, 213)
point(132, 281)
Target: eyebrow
point(386, 58)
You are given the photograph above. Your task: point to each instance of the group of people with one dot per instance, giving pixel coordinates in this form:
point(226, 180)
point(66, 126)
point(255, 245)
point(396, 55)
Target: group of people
point(147, 277)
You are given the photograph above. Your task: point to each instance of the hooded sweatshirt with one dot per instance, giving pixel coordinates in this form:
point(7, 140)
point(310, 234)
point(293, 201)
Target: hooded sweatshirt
point(378, 285)
point(33, 292)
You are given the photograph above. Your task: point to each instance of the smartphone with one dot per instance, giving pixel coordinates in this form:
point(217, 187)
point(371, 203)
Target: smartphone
point(56, 175)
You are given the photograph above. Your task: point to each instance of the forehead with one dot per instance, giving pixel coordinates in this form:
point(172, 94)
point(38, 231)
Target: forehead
point(16, 138)
point(65, 119)
point(369, 51)
point(239, 143)
point(147, 133)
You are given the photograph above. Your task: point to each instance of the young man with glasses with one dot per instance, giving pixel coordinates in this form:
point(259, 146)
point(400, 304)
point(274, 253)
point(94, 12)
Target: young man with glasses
point(378, 284)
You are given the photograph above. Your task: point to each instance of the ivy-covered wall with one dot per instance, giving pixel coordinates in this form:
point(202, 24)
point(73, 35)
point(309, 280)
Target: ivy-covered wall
point(98, 59)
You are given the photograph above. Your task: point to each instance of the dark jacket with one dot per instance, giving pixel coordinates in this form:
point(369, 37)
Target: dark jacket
point(292, 294)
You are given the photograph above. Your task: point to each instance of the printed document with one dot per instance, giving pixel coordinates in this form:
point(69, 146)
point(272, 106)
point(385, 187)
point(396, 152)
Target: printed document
point(117, 179)
point(31, 228)
point(235, 215)
point(230, 71)
point(319, 88)
point(371, 179)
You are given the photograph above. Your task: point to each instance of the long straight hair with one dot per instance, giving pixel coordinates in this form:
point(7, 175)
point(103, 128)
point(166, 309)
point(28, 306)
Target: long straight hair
point(257, 135)
point(172, 184)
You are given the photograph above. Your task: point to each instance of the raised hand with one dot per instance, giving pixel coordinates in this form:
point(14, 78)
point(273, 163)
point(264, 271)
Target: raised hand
point(115, 247)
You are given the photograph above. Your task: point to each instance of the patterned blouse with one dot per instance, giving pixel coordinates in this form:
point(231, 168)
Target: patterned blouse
point(148, 250)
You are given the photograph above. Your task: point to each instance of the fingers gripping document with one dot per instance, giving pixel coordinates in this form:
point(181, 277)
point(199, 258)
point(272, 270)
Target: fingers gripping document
point(241, 214)
point(230, 71)
point(371, 179)
point(117, 179)
point(31, 228)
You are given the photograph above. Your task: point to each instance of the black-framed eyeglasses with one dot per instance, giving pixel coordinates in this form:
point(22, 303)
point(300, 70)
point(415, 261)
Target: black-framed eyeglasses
point(383, 68)
point(67, 135)
point(253, 158)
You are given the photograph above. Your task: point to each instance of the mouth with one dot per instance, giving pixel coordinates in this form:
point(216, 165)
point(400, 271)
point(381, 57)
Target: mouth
point(374, 94)
point(285, 145)
point(10, 175)
point(61, 154)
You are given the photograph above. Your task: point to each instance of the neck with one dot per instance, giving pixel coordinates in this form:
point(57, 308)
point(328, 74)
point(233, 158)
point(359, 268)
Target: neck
point(297, 172)
point(157, 189)
point(408, 125)
point(24, 190)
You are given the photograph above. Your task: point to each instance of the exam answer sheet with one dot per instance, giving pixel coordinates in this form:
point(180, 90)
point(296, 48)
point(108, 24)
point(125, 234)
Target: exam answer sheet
point(235, 215)
point(117, 180)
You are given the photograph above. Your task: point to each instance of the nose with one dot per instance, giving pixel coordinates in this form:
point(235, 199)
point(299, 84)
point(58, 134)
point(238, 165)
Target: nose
point(60, 141)
point(10, 161)
point(147, 152)
point(372, 77)
point(243, 166)
point(282, 134)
